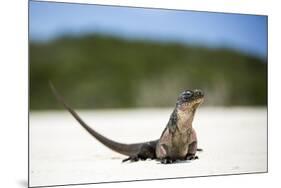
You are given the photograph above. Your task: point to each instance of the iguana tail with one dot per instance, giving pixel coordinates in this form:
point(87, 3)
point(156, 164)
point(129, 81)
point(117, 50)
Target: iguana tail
point(125, 149)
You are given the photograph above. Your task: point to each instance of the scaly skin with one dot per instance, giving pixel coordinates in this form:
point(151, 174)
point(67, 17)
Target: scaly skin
point(177, 142)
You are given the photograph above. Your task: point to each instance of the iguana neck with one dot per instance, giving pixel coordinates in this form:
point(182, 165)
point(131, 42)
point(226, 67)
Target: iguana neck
point(181, 120)
point(185, 119)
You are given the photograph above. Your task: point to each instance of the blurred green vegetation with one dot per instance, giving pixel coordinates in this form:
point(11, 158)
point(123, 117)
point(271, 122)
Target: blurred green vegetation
point(96, 71)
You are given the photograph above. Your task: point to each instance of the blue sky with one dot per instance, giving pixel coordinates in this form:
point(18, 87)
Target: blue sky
point(246, 33)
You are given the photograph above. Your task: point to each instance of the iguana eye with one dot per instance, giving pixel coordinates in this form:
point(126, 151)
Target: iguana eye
point(187, 94)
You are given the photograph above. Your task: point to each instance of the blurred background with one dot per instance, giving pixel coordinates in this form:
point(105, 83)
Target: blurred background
point(118, 57)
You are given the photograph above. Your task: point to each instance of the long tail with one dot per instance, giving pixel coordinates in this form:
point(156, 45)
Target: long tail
point(125, 149)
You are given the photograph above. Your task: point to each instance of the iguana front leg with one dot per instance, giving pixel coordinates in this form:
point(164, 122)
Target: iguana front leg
point(192, 147)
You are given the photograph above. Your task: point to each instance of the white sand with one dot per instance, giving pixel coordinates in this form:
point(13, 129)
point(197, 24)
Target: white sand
point(61, 152)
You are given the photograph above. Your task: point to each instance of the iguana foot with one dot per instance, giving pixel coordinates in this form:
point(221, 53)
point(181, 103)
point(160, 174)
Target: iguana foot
point(191, 157)
point(135, 158)
point(167, 161)
point(132, 159)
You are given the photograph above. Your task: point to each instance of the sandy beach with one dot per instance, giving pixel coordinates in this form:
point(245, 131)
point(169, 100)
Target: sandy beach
point(234, 141)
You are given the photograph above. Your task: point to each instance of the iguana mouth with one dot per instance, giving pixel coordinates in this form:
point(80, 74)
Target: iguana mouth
point(197, 101)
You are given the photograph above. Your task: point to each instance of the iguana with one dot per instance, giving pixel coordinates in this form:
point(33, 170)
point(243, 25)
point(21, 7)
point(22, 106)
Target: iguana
point(178, 141)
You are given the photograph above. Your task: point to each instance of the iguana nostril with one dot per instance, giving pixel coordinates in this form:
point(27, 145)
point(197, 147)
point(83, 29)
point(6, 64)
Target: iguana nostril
point(199, 92)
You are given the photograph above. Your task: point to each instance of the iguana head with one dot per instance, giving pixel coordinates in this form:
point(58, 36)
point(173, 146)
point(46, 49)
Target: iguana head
point(187, 103)
point(190, 100)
